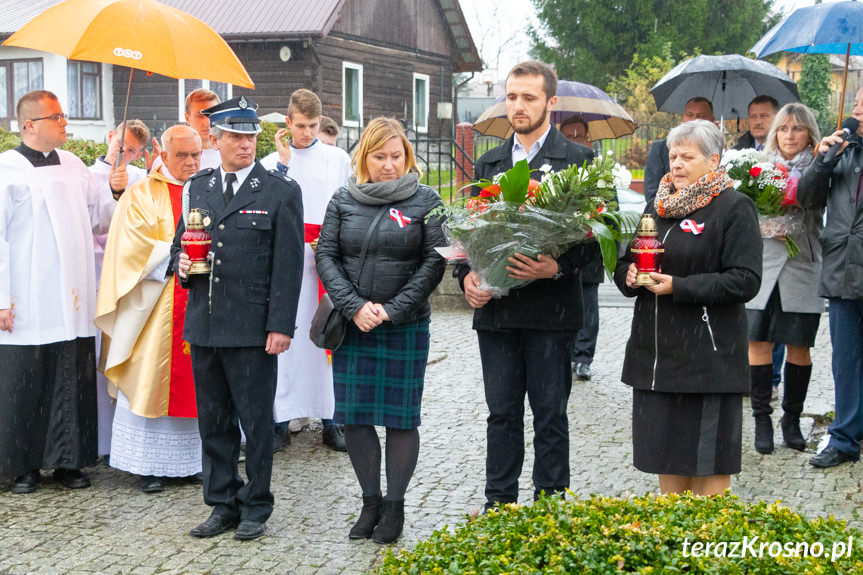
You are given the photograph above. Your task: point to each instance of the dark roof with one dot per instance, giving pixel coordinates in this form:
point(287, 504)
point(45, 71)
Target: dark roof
point(262, 19)
point(302, 18)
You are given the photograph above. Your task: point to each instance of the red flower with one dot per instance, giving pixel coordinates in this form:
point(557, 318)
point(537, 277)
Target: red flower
point(532, 185)
point(477, 205)
point(755, 171)
point(490, 191)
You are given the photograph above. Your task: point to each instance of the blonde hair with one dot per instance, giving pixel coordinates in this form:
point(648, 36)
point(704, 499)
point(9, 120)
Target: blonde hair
point(306, 103)
point(802, 116)
point(377, 133)
point(137, 128)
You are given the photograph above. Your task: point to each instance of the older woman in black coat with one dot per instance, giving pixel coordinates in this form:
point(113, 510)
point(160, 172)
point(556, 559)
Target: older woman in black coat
point(383, 289)
point(686, 357)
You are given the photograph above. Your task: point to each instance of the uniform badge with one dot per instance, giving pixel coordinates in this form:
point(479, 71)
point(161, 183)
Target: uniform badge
point(207, 221)
point(242, 103)
point(212, 182)
point(254, 183)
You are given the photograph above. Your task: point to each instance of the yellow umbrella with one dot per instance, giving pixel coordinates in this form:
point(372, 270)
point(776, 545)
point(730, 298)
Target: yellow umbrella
point(141, 34)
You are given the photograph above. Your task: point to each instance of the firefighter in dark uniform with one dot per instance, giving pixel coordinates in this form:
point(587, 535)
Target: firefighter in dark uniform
point(241, 315)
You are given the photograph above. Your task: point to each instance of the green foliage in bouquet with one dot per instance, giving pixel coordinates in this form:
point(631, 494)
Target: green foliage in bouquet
point(764, 182)
point(517, 214)
point(761, 187)
point(646, 534)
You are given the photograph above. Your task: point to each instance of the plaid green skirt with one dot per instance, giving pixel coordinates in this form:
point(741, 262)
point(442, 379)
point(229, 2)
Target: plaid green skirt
point(378, 376)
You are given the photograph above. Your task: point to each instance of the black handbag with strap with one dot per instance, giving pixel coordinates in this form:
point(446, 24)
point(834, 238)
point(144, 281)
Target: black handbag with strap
point(328, 324)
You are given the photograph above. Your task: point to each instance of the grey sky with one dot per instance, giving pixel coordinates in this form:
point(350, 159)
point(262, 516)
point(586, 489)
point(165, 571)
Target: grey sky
point(499, 28)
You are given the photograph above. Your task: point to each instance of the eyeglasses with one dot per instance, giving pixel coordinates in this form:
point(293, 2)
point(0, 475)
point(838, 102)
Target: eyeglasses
point(55, 117)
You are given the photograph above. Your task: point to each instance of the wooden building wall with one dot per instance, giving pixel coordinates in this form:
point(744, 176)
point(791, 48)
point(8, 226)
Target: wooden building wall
point(413, 24)
point(387, 80)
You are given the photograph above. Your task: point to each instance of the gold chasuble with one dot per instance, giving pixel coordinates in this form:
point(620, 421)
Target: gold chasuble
point(140, 315)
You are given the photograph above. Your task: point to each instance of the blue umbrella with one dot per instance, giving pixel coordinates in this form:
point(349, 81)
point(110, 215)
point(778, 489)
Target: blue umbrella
point(835, 28)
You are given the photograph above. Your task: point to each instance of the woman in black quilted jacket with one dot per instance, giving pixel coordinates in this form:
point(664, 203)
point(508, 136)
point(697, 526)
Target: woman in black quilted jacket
point(376, 258)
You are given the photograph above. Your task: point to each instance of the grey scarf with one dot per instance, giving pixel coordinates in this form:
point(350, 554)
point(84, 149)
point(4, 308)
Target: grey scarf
point(796, 165)
point(380, 193)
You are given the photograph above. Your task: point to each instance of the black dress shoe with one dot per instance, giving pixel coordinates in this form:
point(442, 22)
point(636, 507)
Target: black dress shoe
point(214, 525)
point(72, 478)
point(830, 457)
point(151, 484)
point(248, 530)
point(27, 483)
point(582, 372)
point(334, 438)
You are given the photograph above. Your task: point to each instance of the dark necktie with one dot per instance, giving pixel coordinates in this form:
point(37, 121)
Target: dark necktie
point(229, 187)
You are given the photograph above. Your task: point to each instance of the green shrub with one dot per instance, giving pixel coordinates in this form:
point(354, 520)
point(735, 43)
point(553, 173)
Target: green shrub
point(87, 150)
point(647, 534)
point(267, 139)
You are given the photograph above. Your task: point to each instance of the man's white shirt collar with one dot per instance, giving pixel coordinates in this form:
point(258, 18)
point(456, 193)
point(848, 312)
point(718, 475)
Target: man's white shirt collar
point(520, 153)
point(241, 177)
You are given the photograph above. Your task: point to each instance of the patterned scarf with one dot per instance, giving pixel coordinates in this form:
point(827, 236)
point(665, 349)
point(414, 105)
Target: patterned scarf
point(673, 203)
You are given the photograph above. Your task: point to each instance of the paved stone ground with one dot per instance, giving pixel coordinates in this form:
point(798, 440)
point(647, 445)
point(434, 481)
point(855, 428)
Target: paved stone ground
point(113, 528)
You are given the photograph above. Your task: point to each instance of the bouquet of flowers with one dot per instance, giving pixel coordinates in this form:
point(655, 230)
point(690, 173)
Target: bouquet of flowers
point(514, 213)
point(768, 186)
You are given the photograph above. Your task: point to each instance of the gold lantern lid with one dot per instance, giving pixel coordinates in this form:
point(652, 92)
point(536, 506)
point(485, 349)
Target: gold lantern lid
point(647, 226)
point(195, 221)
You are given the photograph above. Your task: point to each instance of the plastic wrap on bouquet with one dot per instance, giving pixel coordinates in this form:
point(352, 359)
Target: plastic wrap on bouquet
point(491, 235)
point(780, 227)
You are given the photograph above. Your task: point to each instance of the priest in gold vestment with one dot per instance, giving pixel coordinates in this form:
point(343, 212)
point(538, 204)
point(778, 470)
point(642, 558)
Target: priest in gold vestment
point(141, 310)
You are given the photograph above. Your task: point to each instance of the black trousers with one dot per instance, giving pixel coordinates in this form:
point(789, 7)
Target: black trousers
point(48, 408)
point(232, 383)
point(584, 342)
point(536, 363)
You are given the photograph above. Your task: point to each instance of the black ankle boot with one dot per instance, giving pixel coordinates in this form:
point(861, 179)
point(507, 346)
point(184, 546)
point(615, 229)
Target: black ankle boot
point(392, 521)
point(759, 398)
point(369, 517)
point(796, 387)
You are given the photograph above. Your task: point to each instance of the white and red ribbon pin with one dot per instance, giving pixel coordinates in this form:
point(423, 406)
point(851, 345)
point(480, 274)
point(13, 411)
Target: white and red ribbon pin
point(691, 226)
point(397, 216)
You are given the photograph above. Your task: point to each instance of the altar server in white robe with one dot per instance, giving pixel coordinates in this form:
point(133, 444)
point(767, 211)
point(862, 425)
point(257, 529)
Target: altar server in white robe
point(305, 381)
point(103, 170)
point(50, 207)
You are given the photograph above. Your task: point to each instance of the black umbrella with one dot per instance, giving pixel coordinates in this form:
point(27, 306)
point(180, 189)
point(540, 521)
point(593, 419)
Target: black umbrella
point(730, 82)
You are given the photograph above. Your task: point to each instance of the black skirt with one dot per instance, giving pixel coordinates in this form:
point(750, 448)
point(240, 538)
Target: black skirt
point(689, 434)
point(777, 326)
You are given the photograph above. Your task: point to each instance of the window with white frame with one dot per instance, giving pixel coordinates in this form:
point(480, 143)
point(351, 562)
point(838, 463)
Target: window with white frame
point(186, 87)
point(84, 85)
point(421, 102)
point(17, 77)
point(352, 94)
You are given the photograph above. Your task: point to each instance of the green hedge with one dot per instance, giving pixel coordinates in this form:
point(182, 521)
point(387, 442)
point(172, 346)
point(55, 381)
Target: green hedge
point(647, 534)
point(87, 150)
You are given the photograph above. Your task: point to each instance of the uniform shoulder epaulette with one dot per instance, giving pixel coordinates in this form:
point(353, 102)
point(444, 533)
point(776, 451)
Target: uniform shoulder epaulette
point(279, 175)
point(204, 172)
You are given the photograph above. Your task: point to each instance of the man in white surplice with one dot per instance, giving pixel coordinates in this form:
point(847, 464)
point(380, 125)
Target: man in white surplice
point(50, 207)
point(305, 381)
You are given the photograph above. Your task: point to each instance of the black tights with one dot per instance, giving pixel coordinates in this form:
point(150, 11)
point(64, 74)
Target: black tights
point(364, 449)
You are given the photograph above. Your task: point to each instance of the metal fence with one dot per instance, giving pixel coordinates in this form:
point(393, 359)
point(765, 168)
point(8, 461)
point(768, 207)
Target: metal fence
point(442, 161)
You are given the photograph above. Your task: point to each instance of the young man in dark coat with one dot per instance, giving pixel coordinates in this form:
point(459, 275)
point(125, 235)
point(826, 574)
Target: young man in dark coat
point(241, 315)
point(525, 337)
